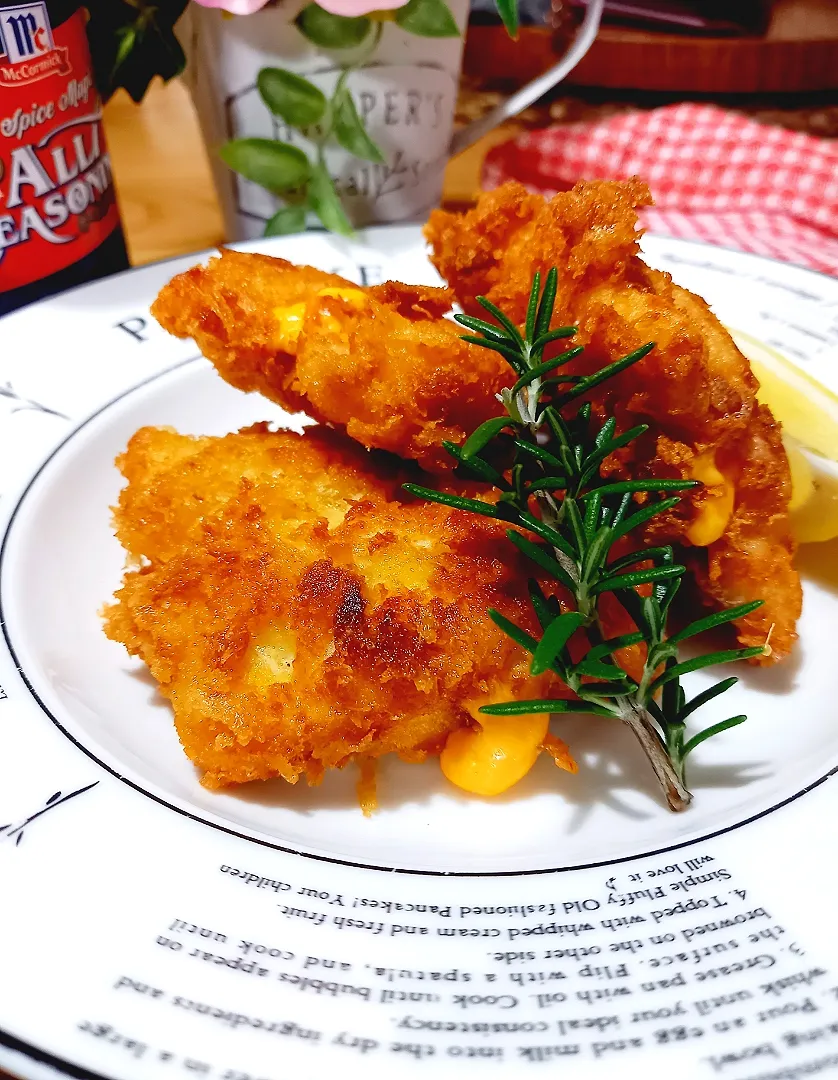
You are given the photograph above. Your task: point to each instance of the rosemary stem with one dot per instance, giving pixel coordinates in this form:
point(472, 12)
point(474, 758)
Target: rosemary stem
point(642, 727)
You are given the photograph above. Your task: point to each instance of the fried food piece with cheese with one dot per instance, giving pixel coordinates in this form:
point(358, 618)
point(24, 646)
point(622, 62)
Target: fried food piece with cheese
point(381, 363)
point(298, 614)
point(695, 390)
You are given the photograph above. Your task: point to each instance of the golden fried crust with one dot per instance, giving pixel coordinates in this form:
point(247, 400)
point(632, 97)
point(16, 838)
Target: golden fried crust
point(374, 607)
point(695, 390)
point(381, 363)
point(393, 383)
point(228, 308)
point(589, 234)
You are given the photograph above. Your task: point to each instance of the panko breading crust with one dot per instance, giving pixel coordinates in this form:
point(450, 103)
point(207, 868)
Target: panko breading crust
point(695, 389)
point(386, 366)
point(381, 363)
point(298, 614)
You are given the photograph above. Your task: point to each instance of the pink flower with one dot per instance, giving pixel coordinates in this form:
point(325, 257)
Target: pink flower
point(235, 7)
point(352, 8)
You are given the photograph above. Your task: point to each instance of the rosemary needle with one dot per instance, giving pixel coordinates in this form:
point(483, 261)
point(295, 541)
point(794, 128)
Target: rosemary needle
point(557, 452)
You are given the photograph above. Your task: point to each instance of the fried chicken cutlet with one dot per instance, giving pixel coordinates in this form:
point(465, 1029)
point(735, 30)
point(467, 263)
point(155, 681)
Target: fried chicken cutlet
point(695, 389)
point(381, 363)
point(298, 614)
point(385, 365)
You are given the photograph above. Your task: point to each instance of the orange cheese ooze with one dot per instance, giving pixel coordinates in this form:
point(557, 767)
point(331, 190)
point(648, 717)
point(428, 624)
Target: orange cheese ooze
point(711, 520)
point(490, 758)
point(289, 320)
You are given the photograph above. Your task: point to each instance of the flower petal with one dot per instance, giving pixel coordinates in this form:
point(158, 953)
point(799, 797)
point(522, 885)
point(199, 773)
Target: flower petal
point(353, 8)
point(235, 7)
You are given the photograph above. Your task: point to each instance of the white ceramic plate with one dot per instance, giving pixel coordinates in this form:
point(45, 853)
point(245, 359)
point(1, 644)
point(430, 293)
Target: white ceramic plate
point(149, 928)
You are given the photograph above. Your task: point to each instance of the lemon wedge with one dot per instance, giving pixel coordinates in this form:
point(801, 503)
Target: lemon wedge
point(808, 412)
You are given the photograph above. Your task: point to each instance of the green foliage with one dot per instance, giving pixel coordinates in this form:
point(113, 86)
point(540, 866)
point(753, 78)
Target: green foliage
point(277, 166)
point(329, 31)
point(324, 201)
point(349, 128)
point(289, 219)
point(552, 466)
point(288, 95)
point(132, 41)
point(427, 18)
point(508, 11)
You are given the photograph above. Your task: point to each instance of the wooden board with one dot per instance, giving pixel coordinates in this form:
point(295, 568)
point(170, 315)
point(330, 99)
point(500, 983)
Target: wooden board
point(637, 60)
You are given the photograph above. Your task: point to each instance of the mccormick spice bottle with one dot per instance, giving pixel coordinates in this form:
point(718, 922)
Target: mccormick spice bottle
point(59, 222)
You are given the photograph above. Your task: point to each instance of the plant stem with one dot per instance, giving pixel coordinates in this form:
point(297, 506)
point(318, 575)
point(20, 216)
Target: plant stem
point(642, 726)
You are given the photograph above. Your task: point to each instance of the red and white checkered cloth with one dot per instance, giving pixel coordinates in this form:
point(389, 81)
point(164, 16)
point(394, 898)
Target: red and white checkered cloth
point(715, 176)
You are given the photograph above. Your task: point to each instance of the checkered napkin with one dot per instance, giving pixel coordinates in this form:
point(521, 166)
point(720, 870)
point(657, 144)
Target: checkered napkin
point(715, 176)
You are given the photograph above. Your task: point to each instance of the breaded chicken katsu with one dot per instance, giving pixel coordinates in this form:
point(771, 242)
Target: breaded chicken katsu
point(381, 363)
point(385, 365)
point(300, 612)
point(695, 388)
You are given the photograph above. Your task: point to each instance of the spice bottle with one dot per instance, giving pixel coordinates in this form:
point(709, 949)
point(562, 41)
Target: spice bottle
point(59, 221)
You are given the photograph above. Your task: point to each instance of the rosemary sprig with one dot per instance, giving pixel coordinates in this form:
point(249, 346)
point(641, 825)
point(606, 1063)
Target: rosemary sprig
point(551, 487)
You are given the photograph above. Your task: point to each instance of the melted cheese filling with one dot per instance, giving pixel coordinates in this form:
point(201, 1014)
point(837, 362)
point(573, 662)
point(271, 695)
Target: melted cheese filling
point(711, 520)
point(490, 758)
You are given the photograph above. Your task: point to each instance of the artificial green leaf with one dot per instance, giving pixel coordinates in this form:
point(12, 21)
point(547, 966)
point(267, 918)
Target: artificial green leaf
point(296, 100)
point(427, 18)
point(290, 219)
point(325, 202)
point(329, 31)
point(277, 166)
point(349, 129)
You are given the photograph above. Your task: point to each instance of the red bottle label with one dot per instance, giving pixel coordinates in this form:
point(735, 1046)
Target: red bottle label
point(57, 199)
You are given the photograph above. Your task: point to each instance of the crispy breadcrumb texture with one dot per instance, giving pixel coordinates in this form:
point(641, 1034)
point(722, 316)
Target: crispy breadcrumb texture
point(299, 614)
point(381, 363)
point(695, 390)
